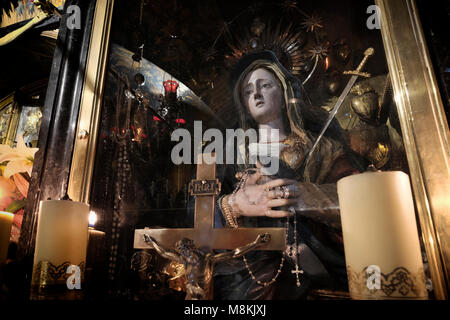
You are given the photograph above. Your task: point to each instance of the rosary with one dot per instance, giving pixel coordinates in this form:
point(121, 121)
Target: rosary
point(291, 250)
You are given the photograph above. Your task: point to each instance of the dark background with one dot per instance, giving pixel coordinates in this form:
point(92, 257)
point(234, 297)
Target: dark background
point(29, 58)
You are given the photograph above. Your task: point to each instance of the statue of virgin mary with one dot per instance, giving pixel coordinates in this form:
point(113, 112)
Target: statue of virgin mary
point(301, 196)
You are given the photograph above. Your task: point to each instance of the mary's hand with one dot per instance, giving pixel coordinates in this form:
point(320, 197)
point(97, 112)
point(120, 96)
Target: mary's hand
point(255, 200)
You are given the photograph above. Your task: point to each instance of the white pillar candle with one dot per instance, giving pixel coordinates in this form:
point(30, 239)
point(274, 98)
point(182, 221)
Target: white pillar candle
point(60, 250)
point(6, 220)
point(381, 241)
point(62, 232)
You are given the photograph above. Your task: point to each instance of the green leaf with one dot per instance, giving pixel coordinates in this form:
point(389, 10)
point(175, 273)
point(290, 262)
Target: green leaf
point(16, 205)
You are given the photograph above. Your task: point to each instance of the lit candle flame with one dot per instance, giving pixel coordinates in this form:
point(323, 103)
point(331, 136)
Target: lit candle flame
point(92, 218)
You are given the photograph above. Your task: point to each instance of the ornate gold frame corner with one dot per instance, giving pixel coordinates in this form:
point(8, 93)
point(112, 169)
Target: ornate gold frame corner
point(14, 122)
point(425, 130)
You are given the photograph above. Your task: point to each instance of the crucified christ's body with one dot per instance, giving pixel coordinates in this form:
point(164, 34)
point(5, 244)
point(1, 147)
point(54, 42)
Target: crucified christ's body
point(199, 265)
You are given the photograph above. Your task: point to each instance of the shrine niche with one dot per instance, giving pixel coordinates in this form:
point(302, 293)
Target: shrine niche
point(174, 71)
point(158, 69)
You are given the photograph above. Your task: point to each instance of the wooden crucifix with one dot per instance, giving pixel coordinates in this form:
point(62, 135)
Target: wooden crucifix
point(204, 234)
point(206, 188)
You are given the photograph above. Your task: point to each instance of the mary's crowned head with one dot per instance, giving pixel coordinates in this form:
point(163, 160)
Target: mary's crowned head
point(263, 90)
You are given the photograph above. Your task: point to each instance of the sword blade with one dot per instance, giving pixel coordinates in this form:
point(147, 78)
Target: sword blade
point(333, 112)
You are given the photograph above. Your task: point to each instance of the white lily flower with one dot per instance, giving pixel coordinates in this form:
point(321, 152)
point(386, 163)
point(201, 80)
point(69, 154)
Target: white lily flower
point(20, 159)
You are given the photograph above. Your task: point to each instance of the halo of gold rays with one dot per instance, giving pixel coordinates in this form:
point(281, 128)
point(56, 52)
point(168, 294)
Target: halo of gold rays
point(294, 41)
point(286, 42)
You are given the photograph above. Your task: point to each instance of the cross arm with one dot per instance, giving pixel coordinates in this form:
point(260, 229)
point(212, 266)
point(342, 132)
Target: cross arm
point(165, 253)
point(216, 238)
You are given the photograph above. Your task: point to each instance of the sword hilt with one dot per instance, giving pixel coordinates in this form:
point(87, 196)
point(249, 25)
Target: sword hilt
point(369, 52)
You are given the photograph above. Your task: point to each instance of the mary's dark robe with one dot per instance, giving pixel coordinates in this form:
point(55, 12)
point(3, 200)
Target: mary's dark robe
point(319, 240)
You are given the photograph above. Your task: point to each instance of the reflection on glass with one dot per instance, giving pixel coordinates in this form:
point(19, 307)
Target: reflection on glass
point(269, 67)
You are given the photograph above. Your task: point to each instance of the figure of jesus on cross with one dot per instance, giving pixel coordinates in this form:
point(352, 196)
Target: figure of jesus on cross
point(199, 265)
point(183, 245)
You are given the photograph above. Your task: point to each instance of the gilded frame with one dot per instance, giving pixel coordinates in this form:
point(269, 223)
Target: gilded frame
point(425, 130)
point(13, 122)
point(424, 126)
point(90, 106)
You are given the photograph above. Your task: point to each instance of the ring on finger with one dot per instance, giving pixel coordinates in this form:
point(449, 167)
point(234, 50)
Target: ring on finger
point(279, 193)
point(285, 192)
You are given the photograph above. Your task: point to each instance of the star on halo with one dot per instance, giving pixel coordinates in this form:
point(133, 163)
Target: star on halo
point(318, 52)
point(289, 5)
point(312, 22)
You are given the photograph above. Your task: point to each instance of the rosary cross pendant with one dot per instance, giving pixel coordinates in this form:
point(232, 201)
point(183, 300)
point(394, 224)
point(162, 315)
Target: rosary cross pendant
point(297, 271)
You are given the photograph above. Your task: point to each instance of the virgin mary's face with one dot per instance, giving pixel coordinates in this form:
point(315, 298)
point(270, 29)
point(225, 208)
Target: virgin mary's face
point(262, 95)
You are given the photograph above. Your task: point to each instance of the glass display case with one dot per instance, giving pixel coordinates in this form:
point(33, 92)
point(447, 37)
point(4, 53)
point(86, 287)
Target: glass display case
point(155, 68)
